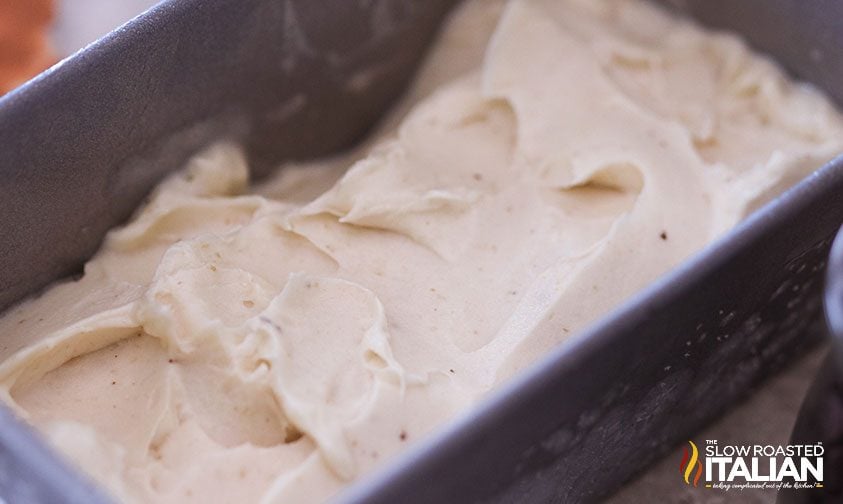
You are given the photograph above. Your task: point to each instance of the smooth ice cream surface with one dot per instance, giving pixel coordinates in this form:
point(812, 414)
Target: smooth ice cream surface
point(273, 343)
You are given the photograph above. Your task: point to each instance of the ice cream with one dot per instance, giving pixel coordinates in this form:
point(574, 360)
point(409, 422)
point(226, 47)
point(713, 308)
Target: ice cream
point(272, 344)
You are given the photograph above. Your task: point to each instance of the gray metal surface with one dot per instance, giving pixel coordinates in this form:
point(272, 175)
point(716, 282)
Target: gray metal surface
point(32, 474)
point(83, 144)
point(821, 416)
point(834, 301)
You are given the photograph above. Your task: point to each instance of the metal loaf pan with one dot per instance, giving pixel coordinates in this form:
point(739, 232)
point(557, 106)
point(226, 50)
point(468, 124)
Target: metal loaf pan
point(83, 143)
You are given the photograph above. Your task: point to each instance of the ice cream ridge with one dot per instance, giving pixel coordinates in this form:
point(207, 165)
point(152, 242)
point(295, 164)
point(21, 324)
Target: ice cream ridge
point(275, 342)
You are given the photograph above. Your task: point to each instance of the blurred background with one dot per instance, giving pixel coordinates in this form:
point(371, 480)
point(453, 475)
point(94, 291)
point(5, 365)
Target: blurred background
point(35, 34)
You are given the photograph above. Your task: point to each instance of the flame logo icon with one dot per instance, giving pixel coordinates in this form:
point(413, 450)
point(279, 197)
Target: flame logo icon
point(690, 461)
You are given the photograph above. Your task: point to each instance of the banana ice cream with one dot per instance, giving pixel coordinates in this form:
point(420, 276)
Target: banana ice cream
point(273, 343)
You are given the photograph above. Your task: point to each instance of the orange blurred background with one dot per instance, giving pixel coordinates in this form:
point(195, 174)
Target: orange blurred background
point(24, 45)
point(34, 34)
